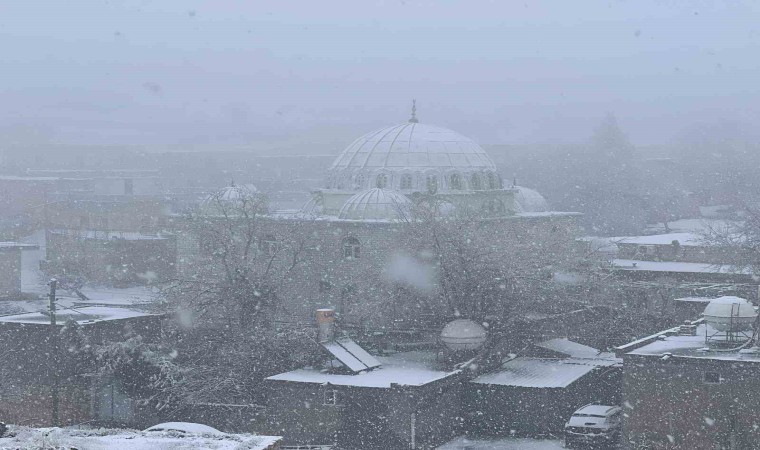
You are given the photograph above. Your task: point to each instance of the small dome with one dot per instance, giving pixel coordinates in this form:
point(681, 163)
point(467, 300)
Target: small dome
point(229, 196)
point(529, 200)
point(729, 313)
point(313, 206)
point(463, 334)
point(376, 204)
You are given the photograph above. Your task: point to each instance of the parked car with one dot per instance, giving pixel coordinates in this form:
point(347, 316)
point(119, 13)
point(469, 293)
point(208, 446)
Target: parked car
point(184, 427)
point(594, 427)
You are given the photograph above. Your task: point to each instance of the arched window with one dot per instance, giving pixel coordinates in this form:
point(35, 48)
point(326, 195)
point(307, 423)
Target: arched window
point(351, 248)
point(491, 181)
point(382, 181)
point(432, 184)
point(359, 182)
point(269, 245)
point(475, 183)
point(455, 181)
point(406, 181)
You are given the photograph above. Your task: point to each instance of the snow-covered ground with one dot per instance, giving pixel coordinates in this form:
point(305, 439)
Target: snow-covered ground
point(502, 444)
point(103, 439)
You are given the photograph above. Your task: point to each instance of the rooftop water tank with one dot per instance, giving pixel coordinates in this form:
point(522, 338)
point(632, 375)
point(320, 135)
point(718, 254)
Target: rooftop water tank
point(729, 313)
point(463, 334)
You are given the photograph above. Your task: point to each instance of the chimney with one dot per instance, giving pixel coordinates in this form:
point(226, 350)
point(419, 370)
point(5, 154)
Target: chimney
point(325, 325)
point(687, 329)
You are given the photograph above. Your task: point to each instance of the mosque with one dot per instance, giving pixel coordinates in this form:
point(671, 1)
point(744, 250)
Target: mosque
point(412, 163)
point(350, 243)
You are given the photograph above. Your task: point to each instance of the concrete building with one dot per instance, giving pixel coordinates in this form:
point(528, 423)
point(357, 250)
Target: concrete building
point(695, 386)
point(27, 372)
point(535, 393)
point(10, 267)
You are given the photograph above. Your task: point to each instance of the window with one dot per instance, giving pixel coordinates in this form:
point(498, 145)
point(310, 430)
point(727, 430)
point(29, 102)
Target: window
point(269, 245)
point(455, 181)
point(432, 184)
point(331, 398)
point(359, 182)
point(382, 181)
point(406, 181)
point(351, 248)
point(711, 378)
point(491, 180)
point(475, 182)
point(129, 187)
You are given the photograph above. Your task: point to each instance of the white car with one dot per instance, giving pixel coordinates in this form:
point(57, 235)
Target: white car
point(184, 427)
point(594, 427)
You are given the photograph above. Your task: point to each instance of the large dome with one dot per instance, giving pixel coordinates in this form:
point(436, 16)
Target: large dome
point(413, 157)
point(376, 205)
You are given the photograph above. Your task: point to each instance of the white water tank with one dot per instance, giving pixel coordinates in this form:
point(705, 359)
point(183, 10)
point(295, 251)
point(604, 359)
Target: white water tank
point(463, 334)
point(729, 313)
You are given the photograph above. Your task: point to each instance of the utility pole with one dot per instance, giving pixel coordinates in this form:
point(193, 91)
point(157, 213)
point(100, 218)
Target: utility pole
point(54, 344)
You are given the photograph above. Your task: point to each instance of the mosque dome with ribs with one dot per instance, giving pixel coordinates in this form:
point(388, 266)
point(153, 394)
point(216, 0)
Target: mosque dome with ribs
point(414, 157)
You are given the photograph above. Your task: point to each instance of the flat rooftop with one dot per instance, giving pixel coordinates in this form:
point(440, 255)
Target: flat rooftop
point(634, 265)
point(407, 369)
point(82, 316)
point(669, 343)
point(531, 372)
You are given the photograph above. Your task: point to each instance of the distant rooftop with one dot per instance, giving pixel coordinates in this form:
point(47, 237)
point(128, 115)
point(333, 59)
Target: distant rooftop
point(17, 245)
point(677, 267)
point(82, 316)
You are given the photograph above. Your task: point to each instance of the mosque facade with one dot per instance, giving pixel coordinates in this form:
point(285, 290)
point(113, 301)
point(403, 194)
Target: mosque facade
point(356, 244)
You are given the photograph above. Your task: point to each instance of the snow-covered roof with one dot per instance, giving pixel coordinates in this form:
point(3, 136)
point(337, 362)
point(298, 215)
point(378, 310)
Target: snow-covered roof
point(82, 316)
point(694, 226)
point(545, 372)
point(407, 369)
point(376, 204)
point(569, 348)
point(529, 200)
point(111, 235)
point(700, 300)
point(8, 245)
point(688, 239)
point(671, 344)
point(677, 267)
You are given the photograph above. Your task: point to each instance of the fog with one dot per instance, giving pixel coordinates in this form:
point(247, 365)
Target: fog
point(309, 76)
point(380, 225)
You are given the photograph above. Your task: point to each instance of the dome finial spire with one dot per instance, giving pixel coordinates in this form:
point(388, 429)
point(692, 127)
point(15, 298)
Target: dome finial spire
point(413, 119)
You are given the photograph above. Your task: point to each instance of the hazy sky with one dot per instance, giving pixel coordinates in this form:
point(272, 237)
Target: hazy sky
point(321, 71)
